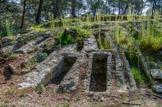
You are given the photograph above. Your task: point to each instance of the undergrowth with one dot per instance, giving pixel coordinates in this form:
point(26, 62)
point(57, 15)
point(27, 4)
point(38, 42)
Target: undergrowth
point(72, 35)
point(136, 69)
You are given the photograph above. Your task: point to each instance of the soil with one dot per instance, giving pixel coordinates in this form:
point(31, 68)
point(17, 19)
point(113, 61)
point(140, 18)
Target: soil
point(15, 60)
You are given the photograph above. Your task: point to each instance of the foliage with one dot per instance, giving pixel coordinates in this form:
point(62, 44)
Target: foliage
point(27, 38)
point(66, 39)
point(40, 88)
point(12, 91)
point(151, 36)
point(76, 34)
point(135, 67)
point(16, 92)
point(65, 105)
point(37, 59)
point(138, 75)
point(103, 44)
point(9, 29)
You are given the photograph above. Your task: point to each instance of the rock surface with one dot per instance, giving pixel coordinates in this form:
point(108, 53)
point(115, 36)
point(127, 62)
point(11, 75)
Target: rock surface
point(158, 88)
point(156, 73)
point(42, 73)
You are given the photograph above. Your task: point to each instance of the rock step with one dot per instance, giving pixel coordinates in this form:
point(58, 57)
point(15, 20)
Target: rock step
point(90, 44)
point(18, 44)
point(32, 46)
point(6, 41)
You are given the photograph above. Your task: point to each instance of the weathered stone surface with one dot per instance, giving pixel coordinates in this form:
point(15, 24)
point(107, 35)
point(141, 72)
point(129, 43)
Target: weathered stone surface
point(157, 88)
point(31, 46)
point(27, 48)
point(130, 75)
point(90, 44)
point(9, 39)
point(41, 56)
point(42, 73)
point(12, 68)
point(120, 73)
point(71, 79)
point(156, 73)
point(154, 83)
point(87, 79)
point(11, 48)
point(53, 66)
point(46, 43)
point(18, 44)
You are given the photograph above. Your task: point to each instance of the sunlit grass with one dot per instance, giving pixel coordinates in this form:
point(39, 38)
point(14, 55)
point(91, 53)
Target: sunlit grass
point(138, 75)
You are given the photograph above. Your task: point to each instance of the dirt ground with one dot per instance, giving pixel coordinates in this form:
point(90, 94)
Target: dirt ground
point(11, 96)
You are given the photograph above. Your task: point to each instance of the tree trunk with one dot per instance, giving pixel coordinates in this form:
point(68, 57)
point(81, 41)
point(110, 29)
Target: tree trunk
point(124, 12)
point(55, 8)
point(141, 6)
point(113, 7)
point(73, 8)
point(153, 7)
point(23, 16)
point(1, 52)
point(119, 6)
point(38, 18)
point(106, 7)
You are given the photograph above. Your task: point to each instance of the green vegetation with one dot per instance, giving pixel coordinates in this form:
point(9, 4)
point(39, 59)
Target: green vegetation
point(8, 56)
point(151, 36)
point(9, 29)
point(72, 35)
point(138, 75)
point(103, 44)
point(40, 88)
point(27, 38)
point(16, 92)
point(65, 105)
point(39, 58)
point(136, 69)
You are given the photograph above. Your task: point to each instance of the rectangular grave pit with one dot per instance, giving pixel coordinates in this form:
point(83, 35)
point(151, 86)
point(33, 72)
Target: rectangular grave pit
point(63, 68)
point(98, 81)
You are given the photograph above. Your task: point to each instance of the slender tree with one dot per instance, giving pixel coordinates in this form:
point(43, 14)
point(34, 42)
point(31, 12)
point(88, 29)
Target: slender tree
point(141, 6)
point(23, 16)
point(1, 52)
point(73, 8)
point(55, 8)
point(119, 6)
point(38, 18)
point(153, 6)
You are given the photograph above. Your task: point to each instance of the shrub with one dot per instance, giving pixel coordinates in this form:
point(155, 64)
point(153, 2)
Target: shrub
point(66, 39)
point(72, 35)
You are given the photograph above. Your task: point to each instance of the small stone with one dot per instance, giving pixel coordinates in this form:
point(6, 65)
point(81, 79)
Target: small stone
point(24, 71)
point(12, 68)
point(103, 99)
point(48, 33)
point(91, 94)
